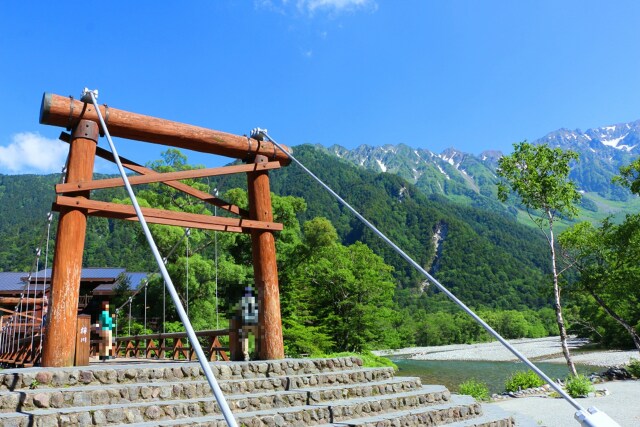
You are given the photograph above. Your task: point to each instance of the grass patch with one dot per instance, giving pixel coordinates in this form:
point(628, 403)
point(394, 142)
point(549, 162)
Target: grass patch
point(369, 359)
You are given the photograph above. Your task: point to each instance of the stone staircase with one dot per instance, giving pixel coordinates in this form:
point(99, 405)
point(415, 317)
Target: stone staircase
point(290, 392)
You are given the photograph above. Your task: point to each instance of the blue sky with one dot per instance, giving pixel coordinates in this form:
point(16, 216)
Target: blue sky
point(474, 75)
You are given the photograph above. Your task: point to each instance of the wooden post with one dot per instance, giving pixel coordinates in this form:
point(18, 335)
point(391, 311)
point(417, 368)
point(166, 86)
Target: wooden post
point(235, 350)
point(59, 344)
point(83, 340)
point(269, 342)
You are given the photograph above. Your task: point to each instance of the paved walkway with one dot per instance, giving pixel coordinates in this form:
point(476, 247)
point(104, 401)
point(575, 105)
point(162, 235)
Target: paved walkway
point(623, 405)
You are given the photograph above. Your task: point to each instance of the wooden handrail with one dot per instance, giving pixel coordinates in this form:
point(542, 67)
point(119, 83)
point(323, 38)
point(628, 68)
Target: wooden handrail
point(159, 336)
point(156, 346)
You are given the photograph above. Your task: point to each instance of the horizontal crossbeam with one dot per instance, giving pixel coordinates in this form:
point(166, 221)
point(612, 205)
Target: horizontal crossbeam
point(16, 300)
point(64, 111)
point(198, 194)
point(161, 216)
point(163, 177)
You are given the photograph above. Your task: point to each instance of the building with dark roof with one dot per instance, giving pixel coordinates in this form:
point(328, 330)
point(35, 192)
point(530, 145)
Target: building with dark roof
point(95, 284)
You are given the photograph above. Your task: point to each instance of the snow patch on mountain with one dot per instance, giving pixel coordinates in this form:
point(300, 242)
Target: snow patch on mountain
point(442, 171)
point(613, 142)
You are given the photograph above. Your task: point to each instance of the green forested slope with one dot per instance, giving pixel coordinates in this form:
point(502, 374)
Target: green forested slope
point(487, 259)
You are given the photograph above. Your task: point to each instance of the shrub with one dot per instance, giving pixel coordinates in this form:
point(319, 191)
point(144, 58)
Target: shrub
point(634, 368)
point(522, 380)
point(579, 386)
point(474, 388)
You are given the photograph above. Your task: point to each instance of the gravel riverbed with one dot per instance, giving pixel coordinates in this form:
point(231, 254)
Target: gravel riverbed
point(536, 349)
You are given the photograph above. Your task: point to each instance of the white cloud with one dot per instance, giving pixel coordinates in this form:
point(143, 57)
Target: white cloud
point(335, 5)
point(311, 6)
point(31, 152)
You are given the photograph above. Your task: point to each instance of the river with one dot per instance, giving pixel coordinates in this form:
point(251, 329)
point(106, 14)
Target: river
point(451, 373)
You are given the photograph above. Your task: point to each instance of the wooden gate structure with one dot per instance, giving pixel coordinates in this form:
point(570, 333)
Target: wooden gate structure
point(74, 205)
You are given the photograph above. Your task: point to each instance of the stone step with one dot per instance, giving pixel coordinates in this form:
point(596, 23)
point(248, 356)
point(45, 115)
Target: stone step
point(110, 373)
point(492, 416)
point(457, 408)
point(324, 379)
point(373, 388)
point(80, 396)
point(251, 408)
point(322, 416)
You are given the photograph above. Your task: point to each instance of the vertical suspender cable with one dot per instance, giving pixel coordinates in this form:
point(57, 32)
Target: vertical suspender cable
point(226, 411)
point(35, 295)
point(19, 317)
point(44, 278)
point(188, 233)
point(496, 335)
point(215, 251)
point(145, 307)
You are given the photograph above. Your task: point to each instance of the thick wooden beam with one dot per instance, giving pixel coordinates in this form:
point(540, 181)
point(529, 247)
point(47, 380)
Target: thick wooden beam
point(59, 344)
point(265, 269)
point(163, 177)
point(133, 166)
point(19, 314)
point(16, 300)
point(63, 111)
point(161, 216)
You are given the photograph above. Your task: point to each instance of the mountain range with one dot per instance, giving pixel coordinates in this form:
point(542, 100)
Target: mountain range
point(472, 178)
point(441, 208)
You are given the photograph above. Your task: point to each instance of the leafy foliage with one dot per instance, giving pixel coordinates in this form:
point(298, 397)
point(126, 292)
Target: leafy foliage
point(634, 368)
point(538, 175)
point(630, 176)
point(522, 380)
point(607, 258)
point(475, 388)
point(579, 386)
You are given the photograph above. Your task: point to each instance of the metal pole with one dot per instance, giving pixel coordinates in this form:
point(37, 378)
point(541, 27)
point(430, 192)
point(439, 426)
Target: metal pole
point(226, 411)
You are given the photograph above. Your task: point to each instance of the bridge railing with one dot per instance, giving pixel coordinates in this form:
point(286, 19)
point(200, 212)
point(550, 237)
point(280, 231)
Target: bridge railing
point(22, 352)
point(175, 346)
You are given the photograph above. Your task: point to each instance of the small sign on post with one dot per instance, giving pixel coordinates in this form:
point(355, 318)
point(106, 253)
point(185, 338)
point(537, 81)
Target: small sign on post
point(83, 340)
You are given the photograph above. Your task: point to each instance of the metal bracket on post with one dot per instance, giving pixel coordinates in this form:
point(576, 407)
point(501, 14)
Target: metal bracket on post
point(258, 134)
point(86, 95)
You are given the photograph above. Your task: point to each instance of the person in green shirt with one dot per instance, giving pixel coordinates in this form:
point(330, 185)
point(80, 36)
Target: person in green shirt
point(104, 327)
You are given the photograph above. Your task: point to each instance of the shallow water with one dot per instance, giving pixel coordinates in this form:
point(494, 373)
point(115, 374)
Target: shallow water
point(451, 373)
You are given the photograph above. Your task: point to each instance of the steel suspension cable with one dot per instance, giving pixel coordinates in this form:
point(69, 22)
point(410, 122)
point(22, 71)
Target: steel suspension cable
point(262, 132)
point(226, 411)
